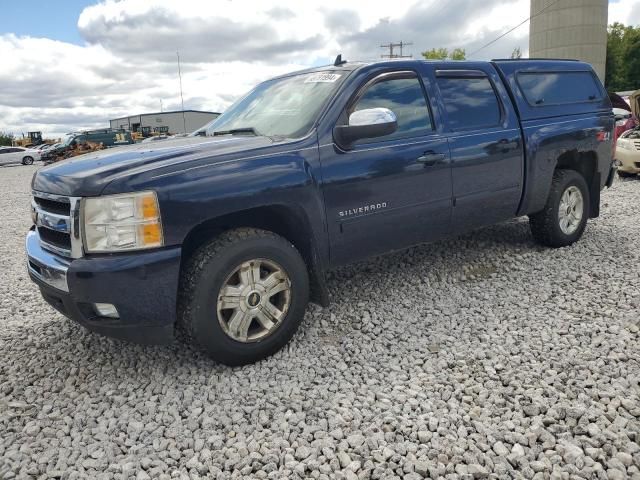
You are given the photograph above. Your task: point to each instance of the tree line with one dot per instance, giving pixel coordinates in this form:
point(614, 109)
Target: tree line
point(623, 58)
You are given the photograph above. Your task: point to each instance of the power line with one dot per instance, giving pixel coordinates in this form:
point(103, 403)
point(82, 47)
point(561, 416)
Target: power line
point(392, 45)
point(512, 29)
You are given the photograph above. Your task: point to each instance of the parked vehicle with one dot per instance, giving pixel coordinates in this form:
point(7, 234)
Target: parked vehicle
point(624, 121)
point(628, 153)
point(26, 156)
point(106, 137)
point(224, 237)
point(31, 140)
point(41, 147)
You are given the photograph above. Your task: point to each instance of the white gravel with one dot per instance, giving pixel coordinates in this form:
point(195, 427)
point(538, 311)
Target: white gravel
point(484, 357)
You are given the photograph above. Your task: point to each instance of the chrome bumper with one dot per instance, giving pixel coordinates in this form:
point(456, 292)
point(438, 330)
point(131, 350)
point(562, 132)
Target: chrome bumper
point(44, 266)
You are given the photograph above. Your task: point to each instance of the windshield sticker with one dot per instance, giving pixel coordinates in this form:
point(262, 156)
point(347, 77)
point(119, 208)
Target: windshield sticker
point(322, 78)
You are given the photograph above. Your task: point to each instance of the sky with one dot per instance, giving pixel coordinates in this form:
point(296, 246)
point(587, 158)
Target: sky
point(75, 64)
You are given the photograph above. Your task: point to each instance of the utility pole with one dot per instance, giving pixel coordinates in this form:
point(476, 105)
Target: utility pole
point(160, 105)
point(390, 46)
point(184, 120)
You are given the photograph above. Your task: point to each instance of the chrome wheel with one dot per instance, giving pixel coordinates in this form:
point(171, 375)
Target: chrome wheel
point(571, 210)
point(254, 300)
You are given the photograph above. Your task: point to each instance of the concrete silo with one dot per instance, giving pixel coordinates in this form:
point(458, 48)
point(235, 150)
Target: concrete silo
point(570, 29)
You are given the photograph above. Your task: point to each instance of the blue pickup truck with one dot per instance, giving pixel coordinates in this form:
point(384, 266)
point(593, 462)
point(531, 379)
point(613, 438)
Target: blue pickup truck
point(224, 236)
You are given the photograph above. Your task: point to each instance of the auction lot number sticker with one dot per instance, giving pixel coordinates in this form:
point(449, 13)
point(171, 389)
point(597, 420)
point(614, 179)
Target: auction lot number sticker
point(322, 78)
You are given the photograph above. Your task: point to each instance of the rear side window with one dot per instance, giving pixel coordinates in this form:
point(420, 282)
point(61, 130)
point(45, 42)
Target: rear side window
point(557, 88)
point(470, 102)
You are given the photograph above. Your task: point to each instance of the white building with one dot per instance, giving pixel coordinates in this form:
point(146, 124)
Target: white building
point(164, 122)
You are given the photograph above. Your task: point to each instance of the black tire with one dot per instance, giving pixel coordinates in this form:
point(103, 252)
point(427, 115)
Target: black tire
point(27, 160)
point(545, 225)
point(622, 174)
point(204, 275)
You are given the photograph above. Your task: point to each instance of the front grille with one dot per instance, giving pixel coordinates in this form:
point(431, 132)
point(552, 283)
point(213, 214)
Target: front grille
point(56, 221)
point(637, 144)
point(59, 207)
point(58, 239)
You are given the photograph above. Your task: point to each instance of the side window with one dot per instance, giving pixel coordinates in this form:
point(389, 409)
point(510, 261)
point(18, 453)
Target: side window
point(404, 97)
point(470, 102)
point(559, 88)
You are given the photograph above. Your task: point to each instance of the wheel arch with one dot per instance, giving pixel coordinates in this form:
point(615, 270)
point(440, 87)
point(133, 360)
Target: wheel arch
point(288, 222)
point(586, 164)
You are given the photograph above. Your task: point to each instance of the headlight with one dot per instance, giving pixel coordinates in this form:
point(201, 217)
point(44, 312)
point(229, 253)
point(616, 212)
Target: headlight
point(122, 222)
point(624, 144)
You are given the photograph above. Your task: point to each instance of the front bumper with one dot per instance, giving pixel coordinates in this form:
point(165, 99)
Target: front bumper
point(629, 160)
point(142, 285)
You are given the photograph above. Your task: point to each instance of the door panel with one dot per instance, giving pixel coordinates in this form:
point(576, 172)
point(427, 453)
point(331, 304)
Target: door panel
point(5, 157)
point(486, 147)
point(391, 192)
point(486, 174)
point(383, 198)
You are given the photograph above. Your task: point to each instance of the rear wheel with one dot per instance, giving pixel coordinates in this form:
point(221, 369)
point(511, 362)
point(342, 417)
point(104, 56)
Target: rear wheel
point(564, 217)
point(27, 160)
point(243, 295)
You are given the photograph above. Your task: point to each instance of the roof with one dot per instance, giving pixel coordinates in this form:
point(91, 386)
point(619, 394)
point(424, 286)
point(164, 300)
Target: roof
point(164, 113)
point(349, 66)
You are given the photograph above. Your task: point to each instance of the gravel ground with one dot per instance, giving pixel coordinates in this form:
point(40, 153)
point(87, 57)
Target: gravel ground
point(483, 357)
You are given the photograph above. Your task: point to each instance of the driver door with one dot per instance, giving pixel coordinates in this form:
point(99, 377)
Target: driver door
point(388, 192)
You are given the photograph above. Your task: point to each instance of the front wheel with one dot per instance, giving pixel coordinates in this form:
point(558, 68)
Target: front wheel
point(27, 160)
point(243, 295)
point(564, 217)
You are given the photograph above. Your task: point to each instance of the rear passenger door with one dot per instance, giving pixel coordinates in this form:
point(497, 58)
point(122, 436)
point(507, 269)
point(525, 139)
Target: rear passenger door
point(486, 146)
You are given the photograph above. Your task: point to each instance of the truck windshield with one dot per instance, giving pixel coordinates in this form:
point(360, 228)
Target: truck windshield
point(283, 107)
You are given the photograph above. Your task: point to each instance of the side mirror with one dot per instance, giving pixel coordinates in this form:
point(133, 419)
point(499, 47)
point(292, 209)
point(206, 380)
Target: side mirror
point(368, 123)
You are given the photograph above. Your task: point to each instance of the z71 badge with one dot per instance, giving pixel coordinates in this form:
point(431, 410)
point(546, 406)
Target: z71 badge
point(352, 212)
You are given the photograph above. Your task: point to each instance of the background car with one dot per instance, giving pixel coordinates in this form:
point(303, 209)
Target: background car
point(628, 153)
point(26, 156)
point(624, 121)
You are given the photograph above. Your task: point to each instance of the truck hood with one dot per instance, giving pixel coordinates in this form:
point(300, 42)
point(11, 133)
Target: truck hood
point(89, 174)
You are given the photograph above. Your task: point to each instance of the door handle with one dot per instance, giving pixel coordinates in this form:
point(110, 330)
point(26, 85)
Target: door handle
point(506, 145)
point(430, 158)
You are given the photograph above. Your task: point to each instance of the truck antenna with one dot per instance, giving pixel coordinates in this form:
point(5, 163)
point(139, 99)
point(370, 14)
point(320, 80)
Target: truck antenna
point(184, 121)
point(339, 61)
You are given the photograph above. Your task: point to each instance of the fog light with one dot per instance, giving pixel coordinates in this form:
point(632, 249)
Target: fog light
point(106, 310)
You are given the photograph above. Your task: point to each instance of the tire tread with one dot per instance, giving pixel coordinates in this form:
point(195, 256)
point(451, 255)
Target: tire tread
point(543, 223)
point(195, 267)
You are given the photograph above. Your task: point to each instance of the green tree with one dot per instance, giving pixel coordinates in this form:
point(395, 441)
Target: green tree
point(631, 55)
point(459, 54)
point(443, 54)
point(517, 53)
point(623, 62)
point(6, 139)
point(436, 54)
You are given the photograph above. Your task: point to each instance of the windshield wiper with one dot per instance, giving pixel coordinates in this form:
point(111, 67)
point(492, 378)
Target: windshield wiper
point(235, 131)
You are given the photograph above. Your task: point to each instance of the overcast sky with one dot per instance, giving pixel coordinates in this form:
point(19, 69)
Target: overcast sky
point(76, 64)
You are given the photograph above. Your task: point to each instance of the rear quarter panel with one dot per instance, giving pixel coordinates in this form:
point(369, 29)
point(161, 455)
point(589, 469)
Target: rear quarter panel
point(552, 130)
